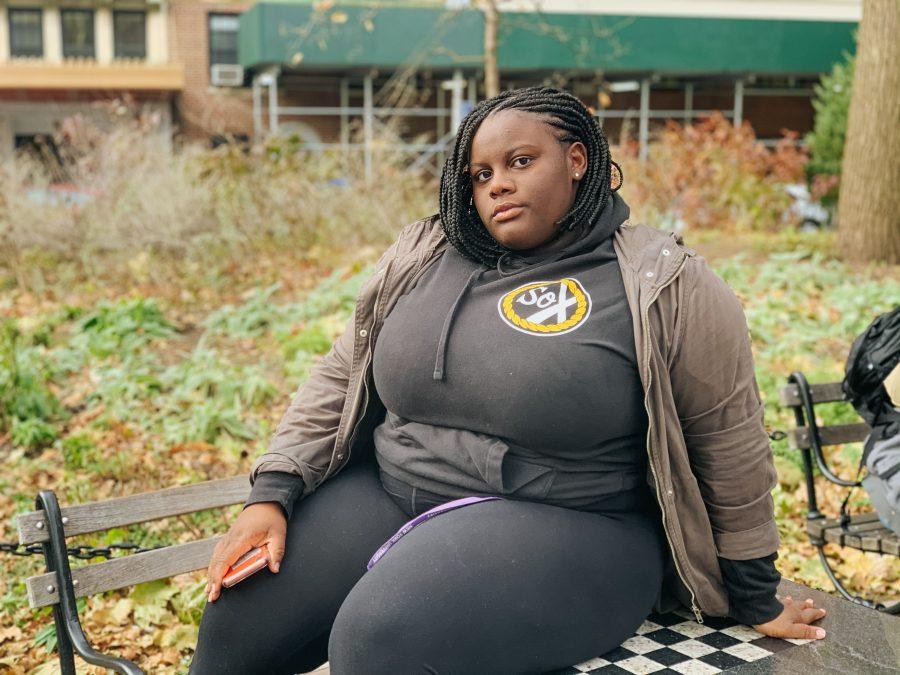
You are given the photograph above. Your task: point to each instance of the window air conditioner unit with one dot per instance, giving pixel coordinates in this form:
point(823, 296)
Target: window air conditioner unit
point(226, 75)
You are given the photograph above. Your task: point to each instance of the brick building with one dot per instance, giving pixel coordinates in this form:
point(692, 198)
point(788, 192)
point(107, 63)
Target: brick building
point(57, 59)
point(203, 39)
point(178, 58)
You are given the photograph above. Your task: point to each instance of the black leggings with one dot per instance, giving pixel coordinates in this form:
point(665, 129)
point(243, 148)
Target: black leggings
point(494, 587)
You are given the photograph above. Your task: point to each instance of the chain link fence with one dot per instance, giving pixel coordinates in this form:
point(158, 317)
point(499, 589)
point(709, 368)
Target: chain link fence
point(79, 552)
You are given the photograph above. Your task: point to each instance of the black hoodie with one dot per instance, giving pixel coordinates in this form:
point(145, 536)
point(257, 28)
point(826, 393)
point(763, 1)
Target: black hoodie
point(517, 380)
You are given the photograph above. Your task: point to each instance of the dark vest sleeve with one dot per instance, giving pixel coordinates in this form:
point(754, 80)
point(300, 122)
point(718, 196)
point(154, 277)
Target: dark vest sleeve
point(276, 486)
point(751, 586)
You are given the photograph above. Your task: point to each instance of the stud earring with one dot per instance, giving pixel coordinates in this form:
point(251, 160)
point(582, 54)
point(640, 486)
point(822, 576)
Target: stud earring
point(577, 174)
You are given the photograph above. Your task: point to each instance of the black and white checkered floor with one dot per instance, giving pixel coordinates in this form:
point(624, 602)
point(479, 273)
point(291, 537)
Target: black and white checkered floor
point(676, 643)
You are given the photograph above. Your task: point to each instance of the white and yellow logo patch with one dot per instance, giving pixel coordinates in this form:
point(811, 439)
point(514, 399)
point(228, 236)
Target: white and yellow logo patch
point(546, 307)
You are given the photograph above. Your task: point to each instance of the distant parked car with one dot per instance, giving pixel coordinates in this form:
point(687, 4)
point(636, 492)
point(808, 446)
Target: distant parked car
point(61, 194)
point(811, 214)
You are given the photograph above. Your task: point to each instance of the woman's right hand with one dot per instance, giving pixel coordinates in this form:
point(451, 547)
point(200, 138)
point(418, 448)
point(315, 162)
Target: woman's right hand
point(260, 524)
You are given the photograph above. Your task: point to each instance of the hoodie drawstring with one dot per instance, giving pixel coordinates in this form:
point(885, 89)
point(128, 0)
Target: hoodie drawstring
point(500, 263)
point(445, 333)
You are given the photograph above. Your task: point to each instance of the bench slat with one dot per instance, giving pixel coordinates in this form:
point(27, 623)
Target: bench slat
point(871, 541)
point(865, 533)
point(856, 533)
point(126, 571)
point(139, 508)
point(828, 392)
point(830, 528)
point(799, 439)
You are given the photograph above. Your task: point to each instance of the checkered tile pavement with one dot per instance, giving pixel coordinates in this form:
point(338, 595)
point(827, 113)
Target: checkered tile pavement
point(676, 643)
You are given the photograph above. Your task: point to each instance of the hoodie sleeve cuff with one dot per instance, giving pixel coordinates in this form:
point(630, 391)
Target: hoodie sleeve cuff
point(751, 586)
point(276, 486)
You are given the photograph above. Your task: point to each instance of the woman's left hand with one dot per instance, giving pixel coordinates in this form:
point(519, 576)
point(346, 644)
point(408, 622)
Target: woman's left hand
point(794, 620)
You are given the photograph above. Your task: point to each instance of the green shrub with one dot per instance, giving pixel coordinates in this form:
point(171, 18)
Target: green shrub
point(259, 314)
point(32, 433)
point(826, 140)
point(252, 318)
point(315, 338)
point(122, 327)
point(78, 451)
point(24, 391)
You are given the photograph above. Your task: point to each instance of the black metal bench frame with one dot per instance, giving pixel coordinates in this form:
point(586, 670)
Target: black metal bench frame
point(70, 635)
point(59, 587)
point(864, 532)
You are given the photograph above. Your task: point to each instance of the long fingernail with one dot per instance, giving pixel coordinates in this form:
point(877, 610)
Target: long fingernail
point(820, 633)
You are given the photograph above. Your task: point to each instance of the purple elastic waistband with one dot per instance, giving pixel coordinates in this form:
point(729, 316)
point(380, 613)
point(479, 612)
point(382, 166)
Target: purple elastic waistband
point(421, 518)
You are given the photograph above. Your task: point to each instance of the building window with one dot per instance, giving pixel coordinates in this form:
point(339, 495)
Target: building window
point(26, 34)
point(130, 34)
point(223, 39)
point(42, 148)
point(77, 33)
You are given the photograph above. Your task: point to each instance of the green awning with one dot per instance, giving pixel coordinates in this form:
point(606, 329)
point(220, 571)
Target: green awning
point(353, 36)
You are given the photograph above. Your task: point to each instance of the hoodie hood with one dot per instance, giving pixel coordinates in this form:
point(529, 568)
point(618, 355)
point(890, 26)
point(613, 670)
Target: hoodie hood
point(614, 213)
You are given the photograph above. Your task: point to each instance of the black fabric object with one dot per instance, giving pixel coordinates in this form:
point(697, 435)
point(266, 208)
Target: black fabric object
point(751, 585)
point(873, 356)
point(490, 587)
point(276, 486)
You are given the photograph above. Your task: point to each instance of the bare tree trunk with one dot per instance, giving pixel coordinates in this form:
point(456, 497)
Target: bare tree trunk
point(491, 73)
point(869, 201)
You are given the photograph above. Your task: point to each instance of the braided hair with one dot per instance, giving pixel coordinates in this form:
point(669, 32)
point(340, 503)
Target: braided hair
point(460, 220)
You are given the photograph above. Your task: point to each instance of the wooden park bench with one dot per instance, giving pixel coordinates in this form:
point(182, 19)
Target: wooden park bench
point(655, 644)
point(864, 532)
point(727, 644)
point(50, 526)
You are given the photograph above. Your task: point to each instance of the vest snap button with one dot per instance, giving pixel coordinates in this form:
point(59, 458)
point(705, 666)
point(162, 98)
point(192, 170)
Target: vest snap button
point(363, 332)
point(665, 251)
point(649, 274)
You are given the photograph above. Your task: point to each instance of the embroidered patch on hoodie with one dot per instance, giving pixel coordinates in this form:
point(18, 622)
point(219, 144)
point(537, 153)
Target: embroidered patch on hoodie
point(546, 307)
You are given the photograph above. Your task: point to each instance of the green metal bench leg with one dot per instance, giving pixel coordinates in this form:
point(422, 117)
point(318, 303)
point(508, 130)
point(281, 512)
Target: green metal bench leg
point(69, 633)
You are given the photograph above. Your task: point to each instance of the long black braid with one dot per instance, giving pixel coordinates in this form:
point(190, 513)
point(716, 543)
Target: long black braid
point(459, 218)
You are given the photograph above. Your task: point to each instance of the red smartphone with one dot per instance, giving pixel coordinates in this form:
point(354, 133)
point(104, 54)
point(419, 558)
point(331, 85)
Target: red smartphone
point(249, 563)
